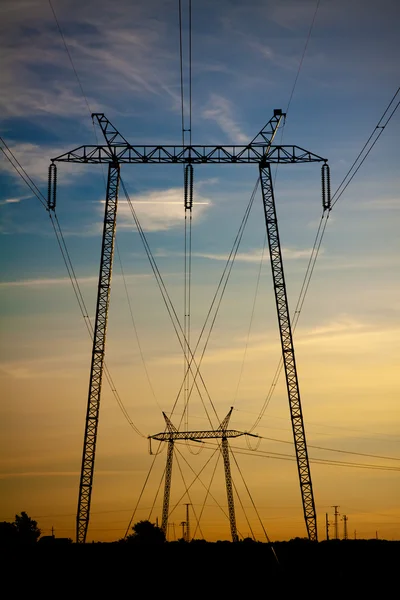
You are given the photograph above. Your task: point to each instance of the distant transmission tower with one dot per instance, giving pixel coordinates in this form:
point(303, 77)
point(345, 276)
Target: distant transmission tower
point(337, 513)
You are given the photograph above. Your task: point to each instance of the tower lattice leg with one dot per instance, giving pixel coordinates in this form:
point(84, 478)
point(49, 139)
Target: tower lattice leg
point(288, 352)
point(229, 492)
point(99, 340)
point(167, 487)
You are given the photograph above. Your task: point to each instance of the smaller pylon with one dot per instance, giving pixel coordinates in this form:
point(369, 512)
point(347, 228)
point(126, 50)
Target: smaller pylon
point(222, 433)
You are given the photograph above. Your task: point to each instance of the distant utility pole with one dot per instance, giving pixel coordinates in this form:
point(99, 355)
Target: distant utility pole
point(183, 523)
point(345, 519)
point(187, 522)
point(337, 513)
point(355, 534)
point(327, 527)
point(376, 535)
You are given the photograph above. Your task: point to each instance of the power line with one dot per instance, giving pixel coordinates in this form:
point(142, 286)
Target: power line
point(69, 56)
point(24, 175)
point(303, 55)
point(292, 458)
point(380, 128)
point(319, 237)
point(333, 449)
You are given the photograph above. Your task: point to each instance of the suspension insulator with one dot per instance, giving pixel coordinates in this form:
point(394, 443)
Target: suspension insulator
point(188, 187)
point(52, 189)
point(326, 187)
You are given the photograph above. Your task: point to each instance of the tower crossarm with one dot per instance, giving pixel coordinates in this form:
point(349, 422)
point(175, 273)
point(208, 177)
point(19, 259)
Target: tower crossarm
point(125, 153)
point(197, 435)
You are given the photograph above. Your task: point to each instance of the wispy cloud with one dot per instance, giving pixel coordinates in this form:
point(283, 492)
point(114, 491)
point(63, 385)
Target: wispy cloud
point(13, 200)
point(36, 76)
point(343, 324)
point(221, 111)
point(59, 281)
point(159, 210)
point(256, 255)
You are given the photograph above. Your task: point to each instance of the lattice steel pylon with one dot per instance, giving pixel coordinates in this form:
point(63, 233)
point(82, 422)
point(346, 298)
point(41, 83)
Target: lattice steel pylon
point(222, 433)
point(261, 151)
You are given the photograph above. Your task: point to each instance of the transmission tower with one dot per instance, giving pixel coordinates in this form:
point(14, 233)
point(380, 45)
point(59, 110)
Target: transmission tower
point(118, 151)
point(222, 433)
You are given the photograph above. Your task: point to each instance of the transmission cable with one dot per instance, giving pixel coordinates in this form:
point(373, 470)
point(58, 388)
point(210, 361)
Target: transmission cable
point(291, 457)
point(24, 175)
point(141, 494)
point(332, 449)
point(303, 55)
point(320, 234)
point(136, 332)
point(208, 491)
point(77, 290)
point(222, 285)
point(69, 56)
point(166, 298)
point(70, 270)
point(338, 193)
point(197, 476)
point(190, 500)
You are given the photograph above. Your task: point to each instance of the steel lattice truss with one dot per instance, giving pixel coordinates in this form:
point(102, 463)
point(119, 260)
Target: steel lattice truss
point(167, 486)
point(195, 436)
point(261, 151)
point(288, 351)
point(99, 341)
point(188, 154)
point(171, 435)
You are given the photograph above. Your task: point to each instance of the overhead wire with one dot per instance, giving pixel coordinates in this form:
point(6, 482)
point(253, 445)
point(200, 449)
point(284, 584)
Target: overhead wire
point(280, 365)
point(222, 284)
point(69, 56)
point(303, 55)
point(189, 498)
point(291, 457)
point(73, 278)
point(255, 509)
point(197, 476)
point(320, 234)
point(70, 270)
point(380, 128)
point(208, 491)
point(141, 494)
point(166, 297)
point(136, 332)
point(332, 449)
point(23, 174)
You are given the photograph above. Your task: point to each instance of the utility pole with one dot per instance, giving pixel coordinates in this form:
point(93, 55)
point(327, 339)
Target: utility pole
point(187, 522)
point(345, 519)
point(327, 527)
point(337, 513)
point(355, 534)
point(183, 523)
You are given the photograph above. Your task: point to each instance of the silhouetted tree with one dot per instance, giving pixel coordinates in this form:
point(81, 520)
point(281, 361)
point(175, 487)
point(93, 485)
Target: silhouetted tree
point(8, 534)
point(145, 532)
point(27, 529)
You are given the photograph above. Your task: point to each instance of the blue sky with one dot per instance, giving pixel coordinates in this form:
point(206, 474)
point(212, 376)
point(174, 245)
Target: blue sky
point(245, 58)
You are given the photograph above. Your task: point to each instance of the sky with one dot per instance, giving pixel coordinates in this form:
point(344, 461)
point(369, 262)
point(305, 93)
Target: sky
point(245, 61)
